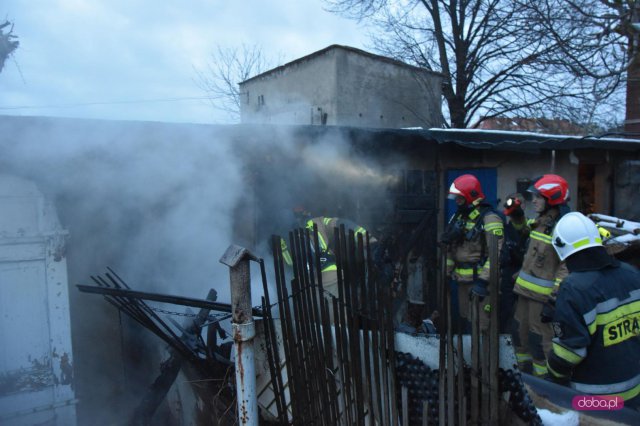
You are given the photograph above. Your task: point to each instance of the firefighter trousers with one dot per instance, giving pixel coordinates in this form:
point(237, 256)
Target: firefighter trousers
point(533, 337)
point(464, 306)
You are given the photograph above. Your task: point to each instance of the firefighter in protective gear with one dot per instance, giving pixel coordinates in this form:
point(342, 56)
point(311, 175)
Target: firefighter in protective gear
point(466, 243)
point(540, 275)
point(596, 348)
point(516, 236)
point(326, 235)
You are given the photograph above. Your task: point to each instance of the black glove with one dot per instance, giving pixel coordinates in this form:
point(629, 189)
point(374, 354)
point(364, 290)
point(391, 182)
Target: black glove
point(453, 233)
point(480, 288)
point(548, 311)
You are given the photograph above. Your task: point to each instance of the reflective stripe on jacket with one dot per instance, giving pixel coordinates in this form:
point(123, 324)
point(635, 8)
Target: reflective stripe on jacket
point(471, 254)
point(541, 271)
point(597, 326)
point(326, 227)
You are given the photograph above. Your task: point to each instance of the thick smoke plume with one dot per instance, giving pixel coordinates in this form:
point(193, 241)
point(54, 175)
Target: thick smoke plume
point(159, 204)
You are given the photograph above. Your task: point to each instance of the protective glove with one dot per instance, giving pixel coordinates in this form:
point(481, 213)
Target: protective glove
point(548, 311)
point(480, 288)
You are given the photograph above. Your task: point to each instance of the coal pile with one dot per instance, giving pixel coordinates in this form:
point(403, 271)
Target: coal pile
point(423, 385)
point(519, 400)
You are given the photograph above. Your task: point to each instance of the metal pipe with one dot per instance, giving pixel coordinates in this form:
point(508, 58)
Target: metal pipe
point(164, 298)
point(237, 258)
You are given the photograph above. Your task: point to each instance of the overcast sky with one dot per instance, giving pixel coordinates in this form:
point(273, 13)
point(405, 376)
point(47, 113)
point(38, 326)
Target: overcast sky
point(102, 58)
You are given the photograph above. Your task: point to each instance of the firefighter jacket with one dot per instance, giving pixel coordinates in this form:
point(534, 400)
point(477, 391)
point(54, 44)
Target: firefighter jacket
point(516, 236)
point(597, 327)
point(326, 236)
point(467, 252)
point(541, 271)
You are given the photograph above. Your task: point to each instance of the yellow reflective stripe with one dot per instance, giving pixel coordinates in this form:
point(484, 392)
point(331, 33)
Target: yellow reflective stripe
point(603, 319)
point(534, 287)
point(554, 372)
point(493, 225)
point(323, 243)
point(541, 237)
point(469, 225)
point(566, 354)
point(360, 230)
point(621, 329)
point(330, 268)
point(326, 220)
point(522, 357)
point(495, 228)
point(585, 241)
point(450, 262)
point(539, 369)
point(475, 213)
point(604, 233)
point(557, 281)
point(630, 394)
point(626, 390)
point(464, 271)
point(286, 256)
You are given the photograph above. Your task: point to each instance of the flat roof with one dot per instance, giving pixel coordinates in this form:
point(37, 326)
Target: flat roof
point(347, 48)
point(12, 128)
point(528, 141)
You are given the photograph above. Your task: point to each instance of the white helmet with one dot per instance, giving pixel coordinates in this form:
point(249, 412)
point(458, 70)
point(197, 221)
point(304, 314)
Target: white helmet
point(574, 232)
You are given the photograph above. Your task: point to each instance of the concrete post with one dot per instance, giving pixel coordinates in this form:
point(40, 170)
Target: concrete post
point(237, 258)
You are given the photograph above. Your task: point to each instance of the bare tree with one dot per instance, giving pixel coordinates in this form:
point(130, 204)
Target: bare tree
point(8, 42)
point(228, 67)
point(507, 57)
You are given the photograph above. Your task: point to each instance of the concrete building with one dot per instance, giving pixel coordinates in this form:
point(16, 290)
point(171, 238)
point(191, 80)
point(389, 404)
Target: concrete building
point(343, 86)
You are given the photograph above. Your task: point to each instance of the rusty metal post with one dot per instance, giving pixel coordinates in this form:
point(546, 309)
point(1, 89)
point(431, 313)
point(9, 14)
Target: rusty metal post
point(237, 259)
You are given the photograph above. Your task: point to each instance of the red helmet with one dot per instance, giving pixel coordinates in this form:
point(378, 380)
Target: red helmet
point(467, 186)
point(552, 187)
point(513, 203)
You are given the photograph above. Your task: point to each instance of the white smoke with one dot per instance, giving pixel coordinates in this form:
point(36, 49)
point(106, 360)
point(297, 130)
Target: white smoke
point(160, 203)
point(154, 200)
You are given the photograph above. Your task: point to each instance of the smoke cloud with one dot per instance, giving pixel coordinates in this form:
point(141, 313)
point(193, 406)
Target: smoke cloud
point(160, 204)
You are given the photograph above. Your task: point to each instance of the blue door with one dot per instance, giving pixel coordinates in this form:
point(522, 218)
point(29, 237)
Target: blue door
point(487, 178)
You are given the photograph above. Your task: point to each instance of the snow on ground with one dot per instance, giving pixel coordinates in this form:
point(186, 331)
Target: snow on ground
point(568, 418)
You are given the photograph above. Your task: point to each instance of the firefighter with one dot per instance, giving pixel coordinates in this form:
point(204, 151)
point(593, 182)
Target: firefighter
point(326, 227)
point(516, 236)
point(596, 349)
point(540, 274)
point(465, 239)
